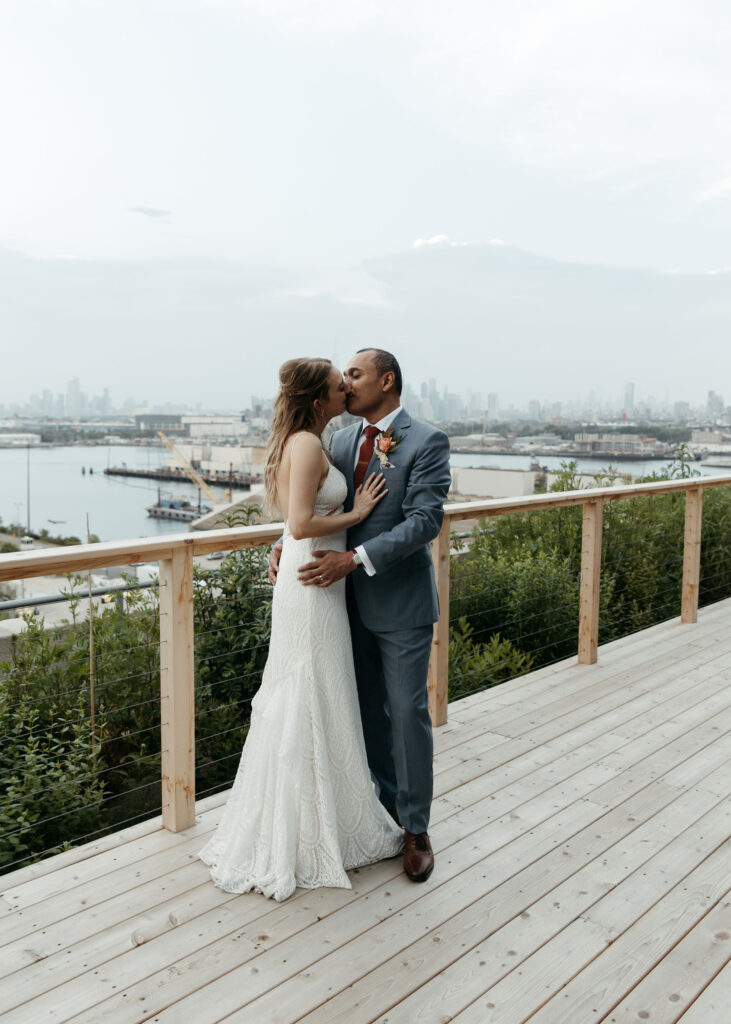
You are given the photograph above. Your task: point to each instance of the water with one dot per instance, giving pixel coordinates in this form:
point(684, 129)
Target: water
point(484, 460)
point(60, 491)
point(116, 505)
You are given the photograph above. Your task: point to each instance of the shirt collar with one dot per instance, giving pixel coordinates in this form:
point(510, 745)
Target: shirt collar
point(383, 424)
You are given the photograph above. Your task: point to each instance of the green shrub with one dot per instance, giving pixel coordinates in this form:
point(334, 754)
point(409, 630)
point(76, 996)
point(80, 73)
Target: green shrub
point(475, 666)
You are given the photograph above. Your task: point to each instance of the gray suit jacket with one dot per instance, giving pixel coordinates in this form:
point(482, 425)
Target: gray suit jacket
point(397, 533)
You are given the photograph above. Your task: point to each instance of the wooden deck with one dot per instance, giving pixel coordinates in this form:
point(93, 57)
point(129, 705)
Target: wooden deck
point(581, 830)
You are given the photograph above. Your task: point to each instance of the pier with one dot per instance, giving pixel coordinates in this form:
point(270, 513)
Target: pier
point(238, 481)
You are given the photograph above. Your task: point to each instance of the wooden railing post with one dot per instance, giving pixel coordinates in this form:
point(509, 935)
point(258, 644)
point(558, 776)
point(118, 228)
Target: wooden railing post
point(438, 683)
point(177, 692)
point(591, 566)
point(692, 554)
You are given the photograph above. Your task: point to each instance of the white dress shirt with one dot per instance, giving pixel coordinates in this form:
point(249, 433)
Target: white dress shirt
point(382, 425)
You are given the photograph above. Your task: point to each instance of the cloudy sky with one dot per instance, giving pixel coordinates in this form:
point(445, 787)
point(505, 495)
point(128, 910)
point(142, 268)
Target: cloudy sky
point(192, 191)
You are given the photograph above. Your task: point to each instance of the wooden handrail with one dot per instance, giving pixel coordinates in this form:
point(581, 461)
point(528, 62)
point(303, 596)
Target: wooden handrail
point(175, 554)
point(27, 564)
point(562, 499)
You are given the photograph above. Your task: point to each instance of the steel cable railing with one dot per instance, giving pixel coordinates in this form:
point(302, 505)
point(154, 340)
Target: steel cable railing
point(641, 583)
point(83, 749)
point(80, 749)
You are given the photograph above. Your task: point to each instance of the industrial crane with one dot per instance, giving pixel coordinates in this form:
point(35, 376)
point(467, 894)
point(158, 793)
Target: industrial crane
point(191, 472)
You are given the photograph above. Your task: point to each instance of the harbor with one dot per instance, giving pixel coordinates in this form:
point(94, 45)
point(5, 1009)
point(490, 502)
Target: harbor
point(65, 483)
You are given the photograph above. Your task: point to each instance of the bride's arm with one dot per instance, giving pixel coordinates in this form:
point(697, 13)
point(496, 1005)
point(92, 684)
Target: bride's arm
point(304, 477)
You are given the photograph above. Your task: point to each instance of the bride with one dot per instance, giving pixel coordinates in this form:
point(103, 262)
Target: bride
point(303, 809)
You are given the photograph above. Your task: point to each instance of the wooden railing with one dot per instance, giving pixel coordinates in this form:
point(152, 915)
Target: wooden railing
point(175, 555)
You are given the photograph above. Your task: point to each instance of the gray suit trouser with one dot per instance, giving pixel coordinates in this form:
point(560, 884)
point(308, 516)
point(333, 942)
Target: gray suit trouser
point(391, 671)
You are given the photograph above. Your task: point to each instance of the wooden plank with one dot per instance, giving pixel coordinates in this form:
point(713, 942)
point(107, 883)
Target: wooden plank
point(575, 976)
point(442, 971)
point(694, 700)
point(639, 946)
point(95, 885)
point(713, 1002)
point(664, 637)
point(574, 680)
point(177, 690)
point(130, 847)
point(522, 809)
point(692, 554)
point(224, 956)
point(110, 845)
point(581, 888)
point(513, 824)
point(628, 720)
point(578, 708)
point(62, 952)
point(667, 991)
point(591, 563)
point(438, 678)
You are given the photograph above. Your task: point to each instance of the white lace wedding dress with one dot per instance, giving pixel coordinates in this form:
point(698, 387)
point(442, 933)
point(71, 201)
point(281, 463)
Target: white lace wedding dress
point(303, 809)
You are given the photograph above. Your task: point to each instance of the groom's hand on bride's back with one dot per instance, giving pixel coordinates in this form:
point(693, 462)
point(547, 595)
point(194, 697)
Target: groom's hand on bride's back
point(328, 567)
point(274, 555)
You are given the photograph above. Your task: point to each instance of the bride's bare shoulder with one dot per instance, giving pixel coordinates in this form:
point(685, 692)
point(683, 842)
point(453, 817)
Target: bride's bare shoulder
point(303, 443)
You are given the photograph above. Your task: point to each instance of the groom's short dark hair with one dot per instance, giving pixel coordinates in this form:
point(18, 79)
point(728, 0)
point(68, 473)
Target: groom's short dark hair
point(385, 362)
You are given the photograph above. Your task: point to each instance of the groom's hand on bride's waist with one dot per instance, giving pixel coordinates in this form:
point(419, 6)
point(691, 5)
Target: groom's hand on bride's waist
point(327, 568)
point(274, 555)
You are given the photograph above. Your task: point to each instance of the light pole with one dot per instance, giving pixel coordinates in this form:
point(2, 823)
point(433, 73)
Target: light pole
point(28, 487)
point(17, 528)
point(17, 515)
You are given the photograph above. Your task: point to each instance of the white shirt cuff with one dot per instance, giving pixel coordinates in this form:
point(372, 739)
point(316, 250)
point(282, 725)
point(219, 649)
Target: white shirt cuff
point(367, 564)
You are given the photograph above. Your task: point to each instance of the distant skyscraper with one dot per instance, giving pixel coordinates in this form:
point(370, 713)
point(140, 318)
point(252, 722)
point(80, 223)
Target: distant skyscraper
point(629, 399)
point(493, 406)
point(73, 397)
point(534, 409)
point(681, 411)
point(714, 406)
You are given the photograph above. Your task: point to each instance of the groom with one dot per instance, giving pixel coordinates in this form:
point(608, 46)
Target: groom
point(391, 593)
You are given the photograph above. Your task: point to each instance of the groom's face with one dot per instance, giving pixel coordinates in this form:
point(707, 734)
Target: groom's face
point(363, 385)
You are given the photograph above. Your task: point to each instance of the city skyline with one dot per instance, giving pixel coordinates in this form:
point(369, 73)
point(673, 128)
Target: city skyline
point(519, 323)
point(426, 399)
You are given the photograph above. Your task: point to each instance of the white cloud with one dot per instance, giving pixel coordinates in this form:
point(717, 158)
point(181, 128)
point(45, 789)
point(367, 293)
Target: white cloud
point(589, 88)
point(347, 287)
point(715, 191)
point(422, 243)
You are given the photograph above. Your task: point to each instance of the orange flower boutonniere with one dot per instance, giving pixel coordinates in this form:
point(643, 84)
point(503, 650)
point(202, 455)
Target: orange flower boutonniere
point(386, 443)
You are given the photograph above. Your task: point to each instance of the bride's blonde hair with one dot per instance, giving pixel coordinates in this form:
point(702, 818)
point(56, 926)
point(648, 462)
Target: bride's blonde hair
point(301, 382)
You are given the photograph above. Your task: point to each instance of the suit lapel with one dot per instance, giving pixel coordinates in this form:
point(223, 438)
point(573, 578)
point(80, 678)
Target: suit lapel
point(350, 444)
point(400, 425)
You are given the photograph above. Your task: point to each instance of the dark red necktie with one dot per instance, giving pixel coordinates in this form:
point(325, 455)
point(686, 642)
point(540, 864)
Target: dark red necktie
point(364, 457)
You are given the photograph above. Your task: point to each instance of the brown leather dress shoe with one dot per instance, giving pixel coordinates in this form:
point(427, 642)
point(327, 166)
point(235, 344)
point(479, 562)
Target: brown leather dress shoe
point(418, 856)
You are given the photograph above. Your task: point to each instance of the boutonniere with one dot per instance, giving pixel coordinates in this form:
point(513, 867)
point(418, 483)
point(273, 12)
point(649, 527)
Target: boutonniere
point(386, 442)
